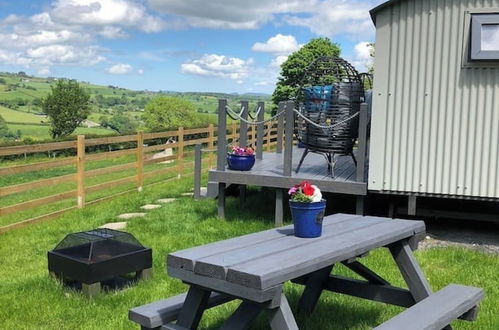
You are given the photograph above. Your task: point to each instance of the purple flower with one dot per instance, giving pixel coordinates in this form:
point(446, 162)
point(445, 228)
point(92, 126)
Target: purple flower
point(292, 190)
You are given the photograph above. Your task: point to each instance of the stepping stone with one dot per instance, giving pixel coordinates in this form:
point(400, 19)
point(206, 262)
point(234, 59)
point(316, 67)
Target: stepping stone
point(114, 225)
point(166, 200)
point(150, 207)
point(188, 194)
point(127, 216)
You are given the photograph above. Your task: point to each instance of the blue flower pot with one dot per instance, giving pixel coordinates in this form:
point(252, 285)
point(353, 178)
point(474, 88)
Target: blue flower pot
point(240, 163)
point(307, 218)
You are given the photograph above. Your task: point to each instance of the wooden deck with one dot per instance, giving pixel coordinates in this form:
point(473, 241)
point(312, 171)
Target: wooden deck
point(268, 172)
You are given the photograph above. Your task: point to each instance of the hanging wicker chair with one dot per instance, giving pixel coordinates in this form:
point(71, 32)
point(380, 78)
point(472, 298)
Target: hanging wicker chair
point(329, 96)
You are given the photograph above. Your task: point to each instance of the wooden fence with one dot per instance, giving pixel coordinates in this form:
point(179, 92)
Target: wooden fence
point(140, 157)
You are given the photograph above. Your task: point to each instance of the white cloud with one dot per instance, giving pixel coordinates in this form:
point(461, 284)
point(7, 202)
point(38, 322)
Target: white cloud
point(323, 17)
point(140, 71)
point(105, 13)
point(363, 59)
point(67, 32)
point(278, 45)
point(112, 32)
point(333, 17)
point(120, 69)
point(229, 14)
point(213, 65)
point(278, 61)
point(44, 71)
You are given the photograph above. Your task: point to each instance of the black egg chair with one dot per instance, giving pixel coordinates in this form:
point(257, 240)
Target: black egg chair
point(328, 102)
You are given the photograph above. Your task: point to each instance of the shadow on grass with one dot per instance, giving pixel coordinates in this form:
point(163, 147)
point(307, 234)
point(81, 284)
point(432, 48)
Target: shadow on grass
point(328, 314)
point(259, 204)
point(109, 286)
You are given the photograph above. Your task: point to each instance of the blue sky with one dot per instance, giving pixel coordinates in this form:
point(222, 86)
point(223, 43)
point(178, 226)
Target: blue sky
point(179, 45)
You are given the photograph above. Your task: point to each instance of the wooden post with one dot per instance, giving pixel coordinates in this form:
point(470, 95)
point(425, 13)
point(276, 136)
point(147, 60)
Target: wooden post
point(211, 140)
point(80, 170)
point(360, 205)
point(361, 148)
point(222, 135)
point(269, 136)
point(180, 152)
point(260, 131)
point(243, 126)
point(198, 161)
point(288, 142)
point(253, 136)
point(234, 133)
point(411, 205)
point(280, 129)
point(221, 153)
point(243, 142)
point(279, 207)
point(140, 161)
point(221, 200)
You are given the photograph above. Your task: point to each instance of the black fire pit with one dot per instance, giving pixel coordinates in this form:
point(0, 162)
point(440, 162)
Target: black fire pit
point(98, 255)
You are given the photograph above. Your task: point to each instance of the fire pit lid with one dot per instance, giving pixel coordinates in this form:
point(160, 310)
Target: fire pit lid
point(87, 244)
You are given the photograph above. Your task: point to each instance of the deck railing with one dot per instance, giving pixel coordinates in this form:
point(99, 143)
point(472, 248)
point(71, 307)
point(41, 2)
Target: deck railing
point(285, 134)
point(127, 165)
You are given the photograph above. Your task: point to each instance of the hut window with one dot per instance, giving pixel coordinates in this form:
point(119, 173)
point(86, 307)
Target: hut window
point(484, 37)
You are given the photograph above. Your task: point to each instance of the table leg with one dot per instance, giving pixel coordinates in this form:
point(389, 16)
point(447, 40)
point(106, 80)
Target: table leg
point(409, 267)
point(315, 285)
point(193, 308)
point(282, 318)
point(243, 317)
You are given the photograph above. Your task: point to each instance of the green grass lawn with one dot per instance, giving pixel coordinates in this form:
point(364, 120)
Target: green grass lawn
point(29, 298)
point(44, 191)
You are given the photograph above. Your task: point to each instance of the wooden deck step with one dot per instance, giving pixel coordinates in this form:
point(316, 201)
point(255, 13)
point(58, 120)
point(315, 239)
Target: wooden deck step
point(161, 312)
point(438, 310)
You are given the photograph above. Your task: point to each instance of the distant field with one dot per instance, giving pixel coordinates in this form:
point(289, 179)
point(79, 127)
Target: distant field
point(17, 116)
point(21, 91)
point(43, 132)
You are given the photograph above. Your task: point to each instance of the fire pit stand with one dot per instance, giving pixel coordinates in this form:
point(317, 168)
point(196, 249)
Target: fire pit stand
point(99, 255)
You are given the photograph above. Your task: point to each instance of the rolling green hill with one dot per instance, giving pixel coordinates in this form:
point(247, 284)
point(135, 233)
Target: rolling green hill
point(21, 95)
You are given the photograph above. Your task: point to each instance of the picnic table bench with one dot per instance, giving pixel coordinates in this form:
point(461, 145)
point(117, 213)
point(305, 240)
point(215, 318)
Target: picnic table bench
point(254, 267)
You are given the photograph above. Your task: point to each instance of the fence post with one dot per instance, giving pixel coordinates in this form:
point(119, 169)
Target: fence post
point(198, 164)
point(180, 152)
point(140, 161)
point(288, 140)
point(260, 130)
point(211, 138)
point(80, 170)
point(280, 129)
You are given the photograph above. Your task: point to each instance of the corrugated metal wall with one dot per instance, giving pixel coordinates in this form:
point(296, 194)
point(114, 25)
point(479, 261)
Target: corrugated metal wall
point(435, 126)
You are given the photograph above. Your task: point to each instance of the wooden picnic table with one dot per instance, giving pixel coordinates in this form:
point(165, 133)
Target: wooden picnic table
point(254, 267)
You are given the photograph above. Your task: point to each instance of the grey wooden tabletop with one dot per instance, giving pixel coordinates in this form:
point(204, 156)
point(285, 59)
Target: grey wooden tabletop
point(263, 260)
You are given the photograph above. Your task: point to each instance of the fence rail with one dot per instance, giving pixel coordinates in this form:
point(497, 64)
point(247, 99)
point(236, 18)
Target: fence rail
point(145, 166)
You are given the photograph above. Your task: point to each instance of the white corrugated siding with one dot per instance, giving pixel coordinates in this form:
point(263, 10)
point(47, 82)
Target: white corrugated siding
point(435, 126)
